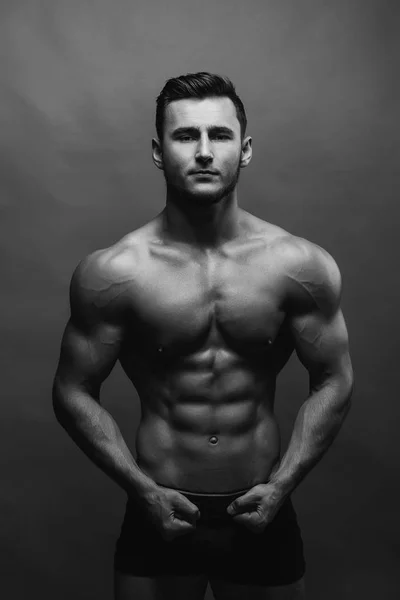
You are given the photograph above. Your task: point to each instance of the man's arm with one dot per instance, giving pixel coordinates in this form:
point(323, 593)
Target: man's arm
point(321, 342)
point(89, 350)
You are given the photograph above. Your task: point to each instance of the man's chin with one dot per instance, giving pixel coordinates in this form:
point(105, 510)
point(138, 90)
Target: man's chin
point(206, 195)
point(201, 196)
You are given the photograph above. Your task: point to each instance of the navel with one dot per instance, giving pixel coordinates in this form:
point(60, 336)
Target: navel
point(213, 439)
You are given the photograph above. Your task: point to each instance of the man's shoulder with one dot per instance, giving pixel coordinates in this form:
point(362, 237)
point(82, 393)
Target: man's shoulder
point(293, 254)
point(101, 278)
point(300, 251)
point(106, 263)
point(311, 272)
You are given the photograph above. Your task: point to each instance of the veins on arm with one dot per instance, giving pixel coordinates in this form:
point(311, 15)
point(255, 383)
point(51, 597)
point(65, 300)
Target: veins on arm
point(316, 320)
point(321, 342)
point(94, 333)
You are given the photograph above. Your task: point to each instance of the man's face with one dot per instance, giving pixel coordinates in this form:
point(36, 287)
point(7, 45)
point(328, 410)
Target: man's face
point(201, 135)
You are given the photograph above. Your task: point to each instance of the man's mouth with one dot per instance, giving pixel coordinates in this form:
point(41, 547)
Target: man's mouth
point(205, 172)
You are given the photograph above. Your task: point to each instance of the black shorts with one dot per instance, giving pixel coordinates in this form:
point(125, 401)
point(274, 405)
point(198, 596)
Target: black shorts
point(218, 547)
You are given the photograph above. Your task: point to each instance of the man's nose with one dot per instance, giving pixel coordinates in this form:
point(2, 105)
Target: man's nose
point(204, 152)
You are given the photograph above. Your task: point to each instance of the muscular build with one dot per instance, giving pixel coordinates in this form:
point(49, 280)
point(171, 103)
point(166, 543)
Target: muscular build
point(202, 330)
point(203, 337)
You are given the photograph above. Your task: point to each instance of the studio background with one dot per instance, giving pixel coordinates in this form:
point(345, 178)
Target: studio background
point(319, 80)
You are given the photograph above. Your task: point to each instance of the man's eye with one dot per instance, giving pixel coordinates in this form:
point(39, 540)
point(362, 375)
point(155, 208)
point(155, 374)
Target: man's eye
point(185, 138)
point(222, 137)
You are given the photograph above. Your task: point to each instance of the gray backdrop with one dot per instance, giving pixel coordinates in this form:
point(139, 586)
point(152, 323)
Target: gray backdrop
point(319, 80)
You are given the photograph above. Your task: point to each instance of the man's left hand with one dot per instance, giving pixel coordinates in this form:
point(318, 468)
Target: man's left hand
point(257, 507)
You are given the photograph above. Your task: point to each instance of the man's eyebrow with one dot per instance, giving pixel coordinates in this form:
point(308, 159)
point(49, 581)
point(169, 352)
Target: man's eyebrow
point(195, 130)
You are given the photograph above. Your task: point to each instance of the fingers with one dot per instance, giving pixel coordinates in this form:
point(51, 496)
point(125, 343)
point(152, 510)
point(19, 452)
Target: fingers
point(186, 509)
point(251, 521)
point(180, 524)
point(243, 504)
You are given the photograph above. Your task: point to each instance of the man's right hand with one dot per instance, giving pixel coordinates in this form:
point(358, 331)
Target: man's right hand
point(171, 512)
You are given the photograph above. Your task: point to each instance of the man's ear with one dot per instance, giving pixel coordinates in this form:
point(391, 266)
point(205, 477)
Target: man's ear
point(247, 151)
point(157, 153)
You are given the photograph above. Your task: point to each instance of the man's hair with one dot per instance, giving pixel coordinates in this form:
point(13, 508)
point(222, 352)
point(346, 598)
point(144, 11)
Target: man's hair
point(198, 85)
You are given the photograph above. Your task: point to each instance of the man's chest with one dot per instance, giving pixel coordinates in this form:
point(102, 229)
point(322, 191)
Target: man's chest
point(232, 302)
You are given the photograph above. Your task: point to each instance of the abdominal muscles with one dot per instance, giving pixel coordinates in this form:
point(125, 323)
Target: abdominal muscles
point(208, 432)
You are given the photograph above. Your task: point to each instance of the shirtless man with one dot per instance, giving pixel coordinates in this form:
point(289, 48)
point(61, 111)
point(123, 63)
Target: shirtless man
point(203, 307)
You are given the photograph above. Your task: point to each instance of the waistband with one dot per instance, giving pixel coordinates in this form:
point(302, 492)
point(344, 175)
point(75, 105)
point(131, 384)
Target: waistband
point(212, 506)
point(208, 495)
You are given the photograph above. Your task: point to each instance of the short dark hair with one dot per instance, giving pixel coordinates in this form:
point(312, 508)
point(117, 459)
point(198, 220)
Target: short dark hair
point(198, 85)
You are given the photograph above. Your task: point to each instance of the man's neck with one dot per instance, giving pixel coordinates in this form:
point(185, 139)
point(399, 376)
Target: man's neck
point(205, 228)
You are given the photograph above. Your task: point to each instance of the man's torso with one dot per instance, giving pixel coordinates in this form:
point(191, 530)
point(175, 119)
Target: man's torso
point(205, 336)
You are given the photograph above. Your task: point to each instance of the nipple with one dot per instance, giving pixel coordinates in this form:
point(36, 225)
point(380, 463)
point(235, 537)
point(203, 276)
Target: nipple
point(213, 439)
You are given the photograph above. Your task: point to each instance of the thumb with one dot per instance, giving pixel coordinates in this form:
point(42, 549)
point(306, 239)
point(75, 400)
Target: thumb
point(186, 508)
point(241, 504)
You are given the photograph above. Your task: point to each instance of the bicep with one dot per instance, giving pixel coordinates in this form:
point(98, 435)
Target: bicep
point(321, 343)
point(93, 336)
point(316, 320)
point(88, 355)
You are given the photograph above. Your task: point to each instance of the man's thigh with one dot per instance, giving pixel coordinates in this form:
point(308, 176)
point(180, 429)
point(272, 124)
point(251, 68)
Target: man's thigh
point(225, 590)
point(180, 587)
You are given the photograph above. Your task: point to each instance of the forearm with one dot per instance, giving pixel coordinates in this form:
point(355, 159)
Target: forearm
point(97, 434)
point(316, 426)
